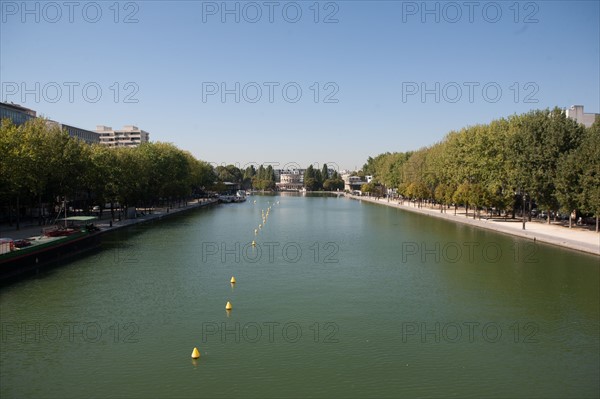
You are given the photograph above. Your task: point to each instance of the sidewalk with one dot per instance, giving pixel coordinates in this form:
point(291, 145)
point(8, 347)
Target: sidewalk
point(31, 230)
point(575, 238)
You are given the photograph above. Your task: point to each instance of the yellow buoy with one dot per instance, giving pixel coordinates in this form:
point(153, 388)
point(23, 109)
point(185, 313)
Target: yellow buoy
point(253, 243)
point(232, 280)
point(228, 306)
point(255, 231)
point(195, 353)
point(260, 226)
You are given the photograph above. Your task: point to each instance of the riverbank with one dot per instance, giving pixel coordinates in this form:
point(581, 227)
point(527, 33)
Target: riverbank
point(578, 239)
point(47, 251)
point(105, 224)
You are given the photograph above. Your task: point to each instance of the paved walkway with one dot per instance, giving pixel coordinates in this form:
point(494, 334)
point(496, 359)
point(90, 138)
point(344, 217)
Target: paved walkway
point(31, 230)
point(576, 238)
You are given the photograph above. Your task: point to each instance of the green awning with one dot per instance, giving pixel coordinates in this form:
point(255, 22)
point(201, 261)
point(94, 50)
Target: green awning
point(80, 218)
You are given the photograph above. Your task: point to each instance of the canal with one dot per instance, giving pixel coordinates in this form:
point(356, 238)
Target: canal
point(338, 298)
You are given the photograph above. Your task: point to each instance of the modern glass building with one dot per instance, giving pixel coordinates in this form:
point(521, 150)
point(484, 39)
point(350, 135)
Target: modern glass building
point(86, 135)
point(17, 114)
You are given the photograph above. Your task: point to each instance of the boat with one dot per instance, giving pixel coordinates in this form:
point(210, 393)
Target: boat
point(240, 196)
point(57, 244)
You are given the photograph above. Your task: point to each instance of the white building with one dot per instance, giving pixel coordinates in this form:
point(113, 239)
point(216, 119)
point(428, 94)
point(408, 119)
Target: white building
point(129, 136)
point(576, 113)
point(352, 183)
point(279, 173)
point(290, 181)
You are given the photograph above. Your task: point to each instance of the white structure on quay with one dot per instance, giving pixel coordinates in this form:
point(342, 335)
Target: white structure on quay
point(576, 113)
point(129, 136)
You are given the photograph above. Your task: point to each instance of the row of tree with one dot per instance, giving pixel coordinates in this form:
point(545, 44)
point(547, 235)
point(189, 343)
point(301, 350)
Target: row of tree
point(319, 179)
point(541, 159)
point(40, 164)
point(264, 178)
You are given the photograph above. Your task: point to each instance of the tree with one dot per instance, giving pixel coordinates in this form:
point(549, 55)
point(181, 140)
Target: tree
point(229, 173)
point(589, 159)
point(539, 139)
point(318, 180)
point(264, 179)
point(325, 172)
point(310, 182)
point(40, 163)
point(568, 186)
point(336, 182)
point(462, 195)
point(249, 173)
point(368, 188)
point(443, 195)
point(418, 191)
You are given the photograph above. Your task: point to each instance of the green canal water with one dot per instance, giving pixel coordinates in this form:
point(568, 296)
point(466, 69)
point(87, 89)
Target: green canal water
point(338, 299)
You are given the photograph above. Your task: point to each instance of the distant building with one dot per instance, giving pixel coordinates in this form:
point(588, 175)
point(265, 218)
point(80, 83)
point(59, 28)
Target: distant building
point(290, 181)
point(17, 114)
point(352, 183)
point(576, 113)
point(281, 172)
point(299, 171)
point(85, 135)
point(129, 136)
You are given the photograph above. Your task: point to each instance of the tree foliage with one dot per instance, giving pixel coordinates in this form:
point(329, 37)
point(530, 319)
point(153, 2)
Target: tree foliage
point(543, 155)
point(42, 164)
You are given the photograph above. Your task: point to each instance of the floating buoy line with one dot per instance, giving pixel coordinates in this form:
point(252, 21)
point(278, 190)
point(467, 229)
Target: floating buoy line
point(228, 306)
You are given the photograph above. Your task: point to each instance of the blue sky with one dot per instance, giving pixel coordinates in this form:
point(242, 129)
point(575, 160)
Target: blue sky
point(162, 66)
